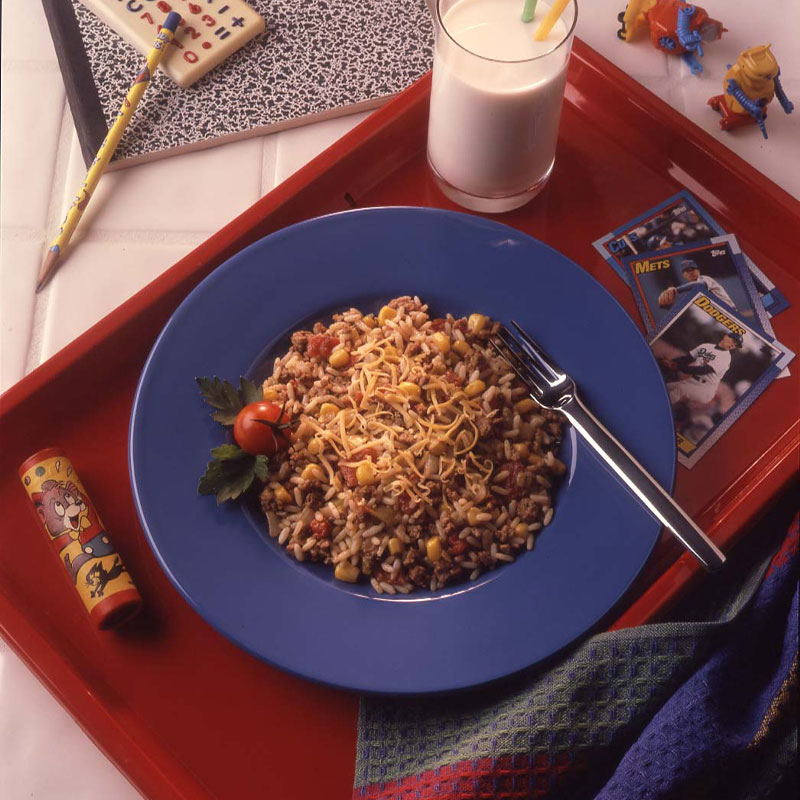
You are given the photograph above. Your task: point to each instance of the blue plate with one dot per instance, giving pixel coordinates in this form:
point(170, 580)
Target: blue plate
point(296, 616)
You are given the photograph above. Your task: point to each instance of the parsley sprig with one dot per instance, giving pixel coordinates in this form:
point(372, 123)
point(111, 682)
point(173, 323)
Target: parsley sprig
point(231, 471)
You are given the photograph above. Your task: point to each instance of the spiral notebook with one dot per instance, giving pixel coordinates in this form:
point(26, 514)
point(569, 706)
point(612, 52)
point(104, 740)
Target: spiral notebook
point(315, 60)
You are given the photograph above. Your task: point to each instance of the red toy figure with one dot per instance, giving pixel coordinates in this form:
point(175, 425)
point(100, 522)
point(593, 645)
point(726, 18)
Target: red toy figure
point(676, 28)
point(750, 84)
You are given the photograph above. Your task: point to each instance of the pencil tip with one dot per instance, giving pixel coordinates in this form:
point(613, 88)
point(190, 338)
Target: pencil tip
point(48, 268)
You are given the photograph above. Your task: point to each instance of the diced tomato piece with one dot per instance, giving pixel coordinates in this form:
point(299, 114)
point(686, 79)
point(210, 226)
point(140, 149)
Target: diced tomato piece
point(321, 528)
point(321, 346)
point(349, 475)
point(455, 545)
point(405, 503)
point(514, 468)
point(365, 453)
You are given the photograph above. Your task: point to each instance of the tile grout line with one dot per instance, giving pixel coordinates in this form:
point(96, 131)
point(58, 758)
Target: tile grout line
point(54, 210)
point(270, 144)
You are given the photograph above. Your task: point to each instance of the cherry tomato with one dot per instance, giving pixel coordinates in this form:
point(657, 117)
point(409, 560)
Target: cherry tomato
point(256, 429)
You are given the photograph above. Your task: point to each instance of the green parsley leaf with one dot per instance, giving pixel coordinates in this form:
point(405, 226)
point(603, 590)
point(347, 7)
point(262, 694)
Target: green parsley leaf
point(261, 468)
point(223, 396)
point(231, 472)
point(250, 392)
point(226, 452)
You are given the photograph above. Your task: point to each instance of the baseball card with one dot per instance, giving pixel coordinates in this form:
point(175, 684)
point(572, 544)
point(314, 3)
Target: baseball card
point(715, 266)
point(715, 364)
point(677, 221)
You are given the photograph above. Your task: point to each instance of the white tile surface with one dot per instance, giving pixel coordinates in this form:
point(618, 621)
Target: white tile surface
point(199, 191)
point(96, 277)
point(298, 146)
point(26, 36)
point(30, 120)
point(21, 261)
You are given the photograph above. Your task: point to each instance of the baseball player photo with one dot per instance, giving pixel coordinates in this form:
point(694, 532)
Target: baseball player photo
point(716, 267)
point(714, 366)
point(694, 282)
point(673, 223)
point(678, 220)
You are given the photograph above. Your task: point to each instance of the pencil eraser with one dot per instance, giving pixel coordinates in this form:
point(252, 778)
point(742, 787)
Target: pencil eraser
point(207, 32)
point(172, 21)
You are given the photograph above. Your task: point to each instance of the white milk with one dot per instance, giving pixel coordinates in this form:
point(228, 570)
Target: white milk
point(493, 124)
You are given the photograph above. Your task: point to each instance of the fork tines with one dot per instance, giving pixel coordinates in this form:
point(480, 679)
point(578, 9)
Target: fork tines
point(509, 355)
point(526, 359)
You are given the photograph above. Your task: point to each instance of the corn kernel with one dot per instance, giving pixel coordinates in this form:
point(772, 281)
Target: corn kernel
point(369, 321)
point(386, 313)
point(461, 347)
point(476, 323)
point(391, 354)
point(312, 472)
point(270, 394)
point(395, 546)
point(282, 496)
point(327, 411)
point(525, 406)
point(521, 529)
point(442, 341)
point(472, 517)
point(409, 389)
point(339, 358)
point(365, 473)
point(521, 451)
point(345, 571)
point(433, 548)
point(475, 388)
point(315, 447)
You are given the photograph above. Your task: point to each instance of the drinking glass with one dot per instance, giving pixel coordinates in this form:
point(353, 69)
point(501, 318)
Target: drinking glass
point(496, 101)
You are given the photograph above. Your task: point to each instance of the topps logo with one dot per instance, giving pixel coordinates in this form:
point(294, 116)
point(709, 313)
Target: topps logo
point(717, 252)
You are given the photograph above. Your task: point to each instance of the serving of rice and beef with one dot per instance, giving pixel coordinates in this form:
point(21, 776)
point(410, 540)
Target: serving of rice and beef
point(417, 458)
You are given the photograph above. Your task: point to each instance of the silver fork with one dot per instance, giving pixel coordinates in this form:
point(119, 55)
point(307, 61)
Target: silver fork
point(551, 388)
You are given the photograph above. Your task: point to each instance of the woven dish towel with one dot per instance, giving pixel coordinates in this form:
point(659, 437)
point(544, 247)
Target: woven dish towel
point(702, 709)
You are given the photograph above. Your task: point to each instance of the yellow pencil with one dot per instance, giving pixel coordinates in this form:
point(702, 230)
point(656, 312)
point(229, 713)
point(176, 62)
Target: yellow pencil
point(556, 10)
point(107, 148)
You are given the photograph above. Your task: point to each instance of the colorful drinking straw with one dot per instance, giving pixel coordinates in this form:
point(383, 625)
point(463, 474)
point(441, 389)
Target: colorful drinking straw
point(529, 10)
point(556, 10)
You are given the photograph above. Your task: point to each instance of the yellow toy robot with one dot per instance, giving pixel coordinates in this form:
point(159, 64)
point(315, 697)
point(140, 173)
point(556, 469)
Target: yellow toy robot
point(750, 84)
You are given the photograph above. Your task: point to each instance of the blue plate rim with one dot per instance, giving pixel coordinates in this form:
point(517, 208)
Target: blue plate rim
point(230, 264)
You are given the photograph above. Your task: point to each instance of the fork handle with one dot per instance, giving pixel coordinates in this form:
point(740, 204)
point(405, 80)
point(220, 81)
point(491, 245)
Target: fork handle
point(643, 485)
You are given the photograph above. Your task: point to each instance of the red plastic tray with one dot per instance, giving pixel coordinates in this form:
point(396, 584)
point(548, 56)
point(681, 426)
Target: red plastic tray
point(179, 709)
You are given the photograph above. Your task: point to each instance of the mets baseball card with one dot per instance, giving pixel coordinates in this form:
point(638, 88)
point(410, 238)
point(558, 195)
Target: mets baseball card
point(677, 221)
point(715, 364)
point(716, 266)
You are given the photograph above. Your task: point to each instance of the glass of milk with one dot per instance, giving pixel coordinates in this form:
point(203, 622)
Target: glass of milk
point(496, 101)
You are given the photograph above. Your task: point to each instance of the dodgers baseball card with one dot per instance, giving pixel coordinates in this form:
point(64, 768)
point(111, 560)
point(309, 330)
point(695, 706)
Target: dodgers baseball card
point(715, 365)
point(716, 266)
point(677, 221)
